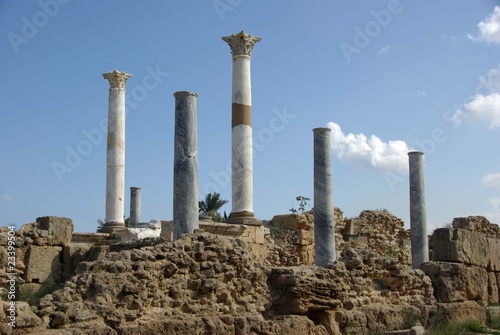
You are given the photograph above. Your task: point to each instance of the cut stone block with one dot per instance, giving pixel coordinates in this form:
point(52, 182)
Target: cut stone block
point(461, 246)
point(59, 229)
point(43, 263)
point(454, 282)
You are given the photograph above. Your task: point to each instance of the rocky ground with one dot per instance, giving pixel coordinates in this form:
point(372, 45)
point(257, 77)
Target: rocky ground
point(210, 284)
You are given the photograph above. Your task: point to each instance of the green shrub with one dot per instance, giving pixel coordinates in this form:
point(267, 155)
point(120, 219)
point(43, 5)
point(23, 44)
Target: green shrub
point(494, 323)
point(467, 327)
point(410, 319)
point(277, 232)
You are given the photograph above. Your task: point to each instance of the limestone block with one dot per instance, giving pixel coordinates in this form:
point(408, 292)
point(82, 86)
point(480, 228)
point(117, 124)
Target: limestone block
point(251, 234)
point(43, 262)
point(462, 246)
point(454, 282)
point(167, 230)
point(497, 274)
point(478, 224)
point(305, 237)
point(225, 229)
point(494, 261)
point(327, 319)
point(74, 254)
point(387, 316)
point(458, 312)
point(492, 288)
point(59, 229)
point(306, 254)
point(294, 221)
point(297, 290)
point(351, 322)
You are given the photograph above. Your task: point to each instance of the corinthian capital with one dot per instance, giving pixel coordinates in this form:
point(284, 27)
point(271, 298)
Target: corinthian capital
point(241, 44)
point(117, 79)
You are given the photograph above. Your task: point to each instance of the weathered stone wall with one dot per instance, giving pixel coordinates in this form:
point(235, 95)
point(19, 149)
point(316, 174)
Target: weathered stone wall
point(206, 283)
point(466, 261)
point(291, 241)
point(380, 231)
point(39, 248)
point(199, 284)
point(47, 252)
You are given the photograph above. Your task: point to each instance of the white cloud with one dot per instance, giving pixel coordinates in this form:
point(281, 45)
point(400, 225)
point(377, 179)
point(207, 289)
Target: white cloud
point(491, 81)
point(8, 198)
point(421, 93)
point(369, 152)
point(489, 28)
point(491, 180)
point(383, 50)
point(483, 106)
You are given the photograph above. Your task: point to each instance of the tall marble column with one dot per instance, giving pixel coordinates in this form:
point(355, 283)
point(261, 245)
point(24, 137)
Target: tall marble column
point(418, 220)
point(135, 206)
point(242, 166)
point(186, 217)
point(115, 159)
point(324, 221)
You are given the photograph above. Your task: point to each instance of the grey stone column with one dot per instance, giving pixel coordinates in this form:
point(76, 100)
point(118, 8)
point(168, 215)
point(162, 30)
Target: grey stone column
point(241, 134)
point(324, 221)
point(185, 218)
point(418, 220)
point(115, 158)
point(135, 206)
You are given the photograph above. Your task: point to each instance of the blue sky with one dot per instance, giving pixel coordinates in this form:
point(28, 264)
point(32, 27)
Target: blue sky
point(386, 76)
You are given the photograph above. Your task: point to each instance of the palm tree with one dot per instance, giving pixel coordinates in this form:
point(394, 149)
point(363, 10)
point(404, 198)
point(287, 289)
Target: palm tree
point(211, 205)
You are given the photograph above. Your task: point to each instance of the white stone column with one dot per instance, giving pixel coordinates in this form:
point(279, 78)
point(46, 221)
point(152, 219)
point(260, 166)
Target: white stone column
point(135, 206)
point(185, 216)
point(324, 220)
point(242, 166)
point(115, 173)
point(418, 217)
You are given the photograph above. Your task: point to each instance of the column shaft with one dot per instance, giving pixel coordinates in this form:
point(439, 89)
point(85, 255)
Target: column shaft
point(115, 162)
point(185, 215)
point(135, 206)
point(418, 220)
point(324, 221)
point(241, 144)
point(242, 163)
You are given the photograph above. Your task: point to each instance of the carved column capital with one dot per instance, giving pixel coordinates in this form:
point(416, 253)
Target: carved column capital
point(241, 44)
point(117, 79)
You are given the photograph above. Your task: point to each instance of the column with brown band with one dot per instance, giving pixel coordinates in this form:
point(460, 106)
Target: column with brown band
point(242, 171)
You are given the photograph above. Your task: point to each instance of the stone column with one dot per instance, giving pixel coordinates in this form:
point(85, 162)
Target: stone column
point(115, 159)
point(242, 175)
point(135, 206)
point(324, 221)
point(185, 218)
point(418, 220)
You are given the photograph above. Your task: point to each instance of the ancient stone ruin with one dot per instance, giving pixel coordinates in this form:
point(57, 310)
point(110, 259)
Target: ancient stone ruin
point(213, 284)
point(316, 272)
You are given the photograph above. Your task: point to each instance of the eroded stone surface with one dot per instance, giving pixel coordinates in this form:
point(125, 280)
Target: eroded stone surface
point(455, 282)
